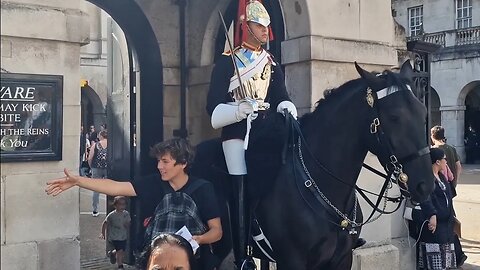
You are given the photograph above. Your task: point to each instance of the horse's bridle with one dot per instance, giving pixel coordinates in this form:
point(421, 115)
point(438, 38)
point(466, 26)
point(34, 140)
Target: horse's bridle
point(393, 167)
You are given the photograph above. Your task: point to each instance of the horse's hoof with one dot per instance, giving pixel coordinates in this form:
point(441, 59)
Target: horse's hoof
point(360, 242)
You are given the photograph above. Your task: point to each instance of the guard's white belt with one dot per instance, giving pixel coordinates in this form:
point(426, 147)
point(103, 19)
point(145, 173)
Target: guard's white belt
point(262, 106)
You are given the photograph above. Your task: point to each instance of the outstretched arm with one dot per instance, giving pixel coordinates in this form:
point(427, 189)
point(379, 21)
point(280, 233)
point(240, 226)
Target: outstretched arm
point(105, 186)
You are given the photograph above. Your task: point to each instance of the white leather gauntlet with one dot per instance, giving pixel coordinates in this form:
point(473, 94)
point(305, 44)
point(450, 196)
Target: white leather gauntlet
point(227, 114)
point(289, 106)
point(247, 107)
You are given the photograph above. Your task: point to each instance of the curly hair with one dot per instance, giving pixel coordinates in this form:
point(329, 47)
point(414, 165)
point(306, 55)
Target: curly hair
point(180, 150)
point(166, 239)
point(438, 133)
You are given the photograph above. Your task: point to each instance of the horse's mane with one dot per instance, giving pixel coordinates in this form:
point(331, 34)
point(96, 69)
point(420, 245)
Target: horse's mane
point(331, 95)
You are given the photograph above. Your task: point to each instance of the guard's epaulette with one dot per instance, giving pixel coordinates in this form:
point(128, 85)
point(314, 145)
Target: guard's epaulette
point(229, 52)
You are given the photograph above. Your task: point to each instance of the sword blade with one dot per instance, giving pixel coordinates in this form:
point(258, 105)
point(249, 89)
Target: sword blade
point(232, 56)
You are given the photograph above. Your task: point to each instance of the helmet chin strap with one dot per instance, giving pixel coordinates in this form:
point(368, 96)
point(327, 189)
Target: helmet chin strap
point(253, 35)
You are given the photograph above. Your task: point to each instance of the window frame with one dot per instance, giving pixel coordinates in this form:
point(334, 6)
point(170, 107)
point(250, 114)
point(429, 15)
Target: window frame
point(465, 21)
point(415, 15)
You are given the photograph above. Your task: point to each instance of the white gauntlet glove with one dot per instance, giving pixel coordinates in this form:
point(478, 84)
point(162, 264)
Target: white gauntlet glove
point(227, 114)
point(289, 106)
point(246, 108)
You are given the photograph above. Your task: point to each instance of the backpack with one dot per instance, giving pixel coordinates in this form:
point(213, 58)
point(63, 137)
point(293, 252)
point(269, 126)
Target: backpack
point(99, 156)
point(177, 209)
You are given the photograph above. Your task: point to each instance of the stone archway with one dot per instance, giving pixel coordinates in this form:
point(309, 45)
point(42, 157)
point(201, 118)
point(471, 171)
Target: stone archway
point(93, 110)
point(145, 56)
point(214, 37)
point(470, 97)
point(135, 105)
point(435, 108)
point(472, 110)
point(212, 44)
point(466, 90)
point(297, 19)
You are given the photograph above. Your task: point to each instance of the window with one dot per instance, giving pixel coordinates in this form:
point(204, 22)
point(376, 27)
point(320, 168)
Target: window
point(415, 18)
point(464, 13)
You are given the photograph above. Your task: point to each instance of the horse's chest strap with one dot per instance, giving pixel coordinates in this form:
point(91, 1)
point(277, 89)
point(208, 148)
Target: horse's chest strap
point(310, 195)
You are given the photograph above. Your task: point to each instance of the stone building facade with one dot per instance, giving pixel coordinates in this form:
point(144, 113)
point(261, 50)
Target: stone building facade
point(94, 68)
point(320, 40)
point(455, 67)
point(40, 232)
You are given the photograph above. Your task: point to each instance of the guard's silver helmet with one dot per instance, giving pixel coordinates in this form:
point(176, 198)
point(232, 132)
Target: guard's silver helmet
point(256, 12)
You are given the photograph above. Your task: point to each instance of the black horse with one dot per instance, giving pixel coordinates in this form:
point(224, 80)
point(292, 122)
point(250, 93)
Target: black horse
point(308, 212)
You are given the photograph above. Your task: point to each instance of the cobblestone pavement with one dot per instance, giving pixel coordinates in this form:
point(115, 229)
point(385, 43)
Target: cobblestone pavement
point(92, 248)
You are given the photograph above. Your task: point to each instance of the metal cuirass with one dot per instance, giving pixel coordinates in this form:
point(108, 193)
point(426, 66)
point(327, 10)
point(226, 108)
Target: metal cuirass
point(255, 69)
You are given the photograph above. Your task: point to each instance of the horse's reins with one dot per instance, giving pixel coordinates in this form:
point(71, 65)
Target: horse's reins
point(395, 172)
point(313, 187)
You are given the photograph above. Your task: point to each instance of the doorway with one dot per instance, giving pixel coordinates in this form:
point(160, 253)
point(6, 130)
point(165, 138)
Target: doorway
point(472, 123)
point(128, 49)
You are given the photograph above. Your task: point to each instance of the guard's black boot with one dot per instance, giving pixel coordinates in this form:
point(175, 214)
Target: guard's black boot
point(239, 220)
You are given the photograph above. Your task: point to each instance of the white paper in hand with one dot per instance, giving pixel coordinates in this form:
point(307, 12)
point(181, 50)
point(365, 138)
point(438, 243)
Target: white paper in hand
point(185, 233)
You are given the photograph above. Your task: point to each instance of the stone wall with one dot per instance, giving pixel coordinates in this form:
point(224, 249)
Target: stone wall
point(37, 231)
point(450, 78)
point(93, 61)
point(437, 15)
point(341, 32)
point(453, 67)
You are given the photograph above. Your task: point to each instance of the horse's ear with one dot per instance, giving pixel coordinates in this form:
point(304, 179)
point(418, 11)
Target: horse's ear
point(374, 81)
point(407, 71)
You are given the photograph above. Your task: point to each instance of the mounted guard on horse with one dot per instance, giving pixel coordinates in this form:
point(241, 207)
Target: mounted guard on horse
point(247, 83)
point(301, 185)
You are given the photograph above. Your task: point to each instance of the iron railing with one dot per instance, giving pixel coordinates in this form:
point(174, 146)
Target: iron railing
point(456, 37)
point(467, 36)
